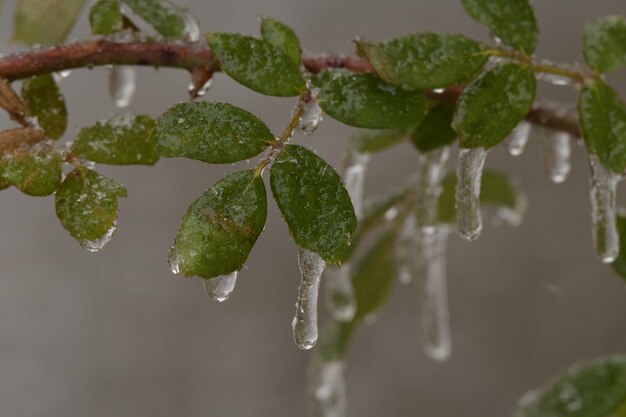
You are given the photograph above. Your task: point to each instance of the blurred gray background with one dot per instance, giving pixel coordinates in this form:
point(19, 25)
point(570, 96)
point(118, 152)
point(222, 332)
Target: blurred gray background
point(116, 334)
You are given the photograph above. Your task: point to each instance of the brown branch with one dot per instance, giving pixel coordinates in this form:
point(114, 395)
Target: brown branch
point(96, 53)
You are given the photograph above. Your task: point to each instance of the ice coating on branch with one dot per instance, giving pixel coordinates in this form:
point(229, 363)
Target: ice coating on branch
point(469, 173)
point(518, 138)
point(557, 151)
point(305, 321)
point(202, 91)
point(432, 167)
point(312, 113)
point(403, 250)
point(61, 75)
point(122, 85)
point(603, 210)
point(220, 288)
point(191, 29)
point(354, 178)
point(433, 296)
point(340, 301)
point(327, 388)
point(97, 244)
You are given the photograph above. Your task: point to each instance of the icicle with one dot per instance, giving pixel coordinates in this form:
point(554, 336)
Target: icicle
point(220, 288)
point(431, 263)
point(191, 29)
point(61, 75)
point(603, 210)
point(97, 244)
point(340, 301)
point(354, 177)
point(312, 114)
point(469, 174)
point(122, 85)
point(431, 169)
point(513, 216)
point(305, 321)
point(557, 150)
point(327, 388)
point(403, 250)
point(517, 140)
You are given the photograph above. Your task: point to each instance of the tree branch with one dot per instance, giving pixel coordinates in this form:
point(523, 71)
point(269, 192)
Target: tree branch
point(190, 57)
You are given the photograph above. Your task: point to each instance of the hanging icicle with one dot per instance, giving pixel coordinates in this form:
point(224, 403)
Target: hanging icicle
point(557, 151)
point(312, 112)
point(220, 288)
point(340, 294)
point(517, 140)
point(432, 167)
point(403, 250)
point(327, 388)
point(122, 85)
point(305, 321)
point(469, 174)
point(354, 178)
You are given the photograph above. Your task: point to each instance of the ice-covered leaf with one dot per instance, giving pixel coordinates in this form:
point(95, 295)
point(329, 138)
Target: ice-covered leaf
point(211, 132)
point(512, 21)
point(604, 43)
point(496, 189)
point(45, 22)
point(86, 205)
point(257, 64)
point(592, 389)
point(122, 140)
point(423, 61)
point(619, 265)
point(493, 104)
point(365, 100)
point(220, 228)
point(282, 37)
point(35, 171)
point(377, 140)
point(166, 18)
point(45, 101)
point(603, 123)
point(106, 17)
point(435, 130)
point(313, 201)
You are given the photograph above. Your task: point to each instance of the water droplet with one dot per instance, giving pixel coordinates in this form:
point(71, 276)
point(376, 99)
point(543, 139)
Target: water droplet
point(603, 210)
point(327, 388)
point(220, 288)
point(467, 195)
point(518, 138)
point(432, 167)
point(98, 244)
point(122, 85)
point(354, 176)
point(391, 214)
point(557, 151)
point(305, 321)
point(340, 294)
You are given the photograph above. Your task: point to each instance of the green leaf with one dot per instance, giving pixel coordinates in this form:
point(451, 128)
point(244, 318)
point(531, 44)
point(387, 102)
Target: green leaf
point(423, 61)
point(604, 43)
point(257, 64)
point(45, 101)
point(282, 37)
point(45, 22)
point(435, 130)
point(86, 205)
point(166, 18)
point(603, 124)
point(492, 105)
point(220, 228)
point(106, 17)
point(591, 389)
point(619, 265)
point(216, 133)
point(513, 21)
point(364, 100)
point(376, 140)
point(34, 171)
point(496, 189)
point(313, 201)
point(122, 140)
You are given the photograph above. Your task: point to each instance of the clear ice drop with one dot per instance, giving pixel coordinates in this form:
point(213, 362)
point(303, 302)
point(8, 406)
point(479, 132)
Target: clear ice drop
point(354, 177)
point(341, 301)
point(517, 140)
point(220, 288)
point(467, 195)
point(557, 151)
point(327, 388)
point(603, 210)
point(432, 166)
point(311, 115)
point(122, 85)
point(97, 244)
point(305, 321)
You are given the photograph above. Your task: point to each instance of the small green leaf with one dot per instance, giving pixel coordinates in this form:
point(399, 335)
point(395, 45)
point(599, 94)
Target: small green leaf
point(86, 205)
point(619, 265)
point(423, 61)
point(34, 171)
point(591, 389)
point(216, 133)
point(46, 103)
point(435, 130)
point(282, 37)
point(45, 22)
point(603, 123)
point(106, 17)
point(166, 18)
point(513, 21)
point(220, 228)
point(122, 140)
point(376, 140)
point(313, 201)
point(257, 64)
point(496, 189)
point(364, 100)
point(604, 43)
point(492, 105)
